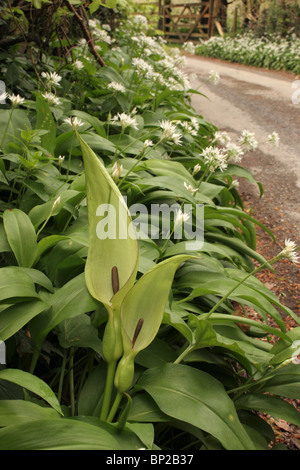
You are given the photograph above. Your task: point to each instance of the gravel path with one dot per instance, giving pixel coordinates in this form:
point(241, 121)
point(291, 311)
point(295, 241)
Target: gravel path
point(261, 102)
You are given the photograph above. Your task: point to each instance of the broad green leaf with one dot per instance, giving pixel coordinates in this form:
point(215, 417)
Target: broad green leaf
point(45, 120)
point(21, 236)
point(89, 403)
point(16, 285)
point(285, 382)
point(197, 398)
point(12, 122)
point(147, 300)
point(283, 350)
point(120, 247)
point(33, 384)
point(14, 317)
point(21, 411)
point(79, 332)
point(67, 434)
point(270, 405)
point(69, 301)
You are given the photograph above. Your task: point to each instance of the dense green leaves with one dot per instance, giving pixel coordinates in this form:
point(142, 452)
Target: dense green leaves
point(196, 397)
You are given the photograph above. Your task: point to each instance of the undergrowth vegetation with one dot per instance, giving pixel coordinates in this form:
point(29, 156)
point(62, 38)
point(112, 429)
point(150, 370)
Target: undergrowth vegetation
point(118, 342)
point(268, 51)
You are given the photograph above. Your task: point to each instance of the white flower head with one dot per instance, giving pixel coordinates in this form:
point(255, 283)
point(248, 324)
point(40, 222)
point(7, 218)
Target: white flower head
point(78, 64)
point(51, 98)
point(214, 158)
point(16, 99)
point(190, 188)
point(234, 152)
point(116, 171)
point(180, 217)
point(3, 97)
point(189, 47)
point(74, 122)
point(248, 141)
point(214, 77)
point(115, 86)
point(196, 169)
point(148, 143)
point(289, 251)
point(169, 132)
point(274, 139)
point(222, 137)
point(52, 78)
point(125, 120)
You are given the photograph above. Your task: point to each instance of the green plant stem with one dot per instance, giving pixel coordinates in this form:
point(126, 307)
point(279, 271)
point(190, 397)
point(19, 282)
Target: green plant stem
point(111, 368)
point(115, 406)
point(71, 381)
point(62, 374)
point(34, 359)
point(184, 353)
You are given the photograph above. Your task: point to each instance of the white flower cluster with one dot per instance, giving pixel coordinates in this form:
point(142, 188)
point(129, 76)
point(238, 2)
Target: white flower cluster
point(170, 132)
point(16, 100)
point(126, 120)
point(289, 251)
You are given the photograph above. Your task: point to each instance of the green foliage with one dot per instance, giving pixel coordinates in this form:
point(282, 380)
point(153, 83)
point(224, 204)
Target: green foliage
point(269, 51)
point(129, 343)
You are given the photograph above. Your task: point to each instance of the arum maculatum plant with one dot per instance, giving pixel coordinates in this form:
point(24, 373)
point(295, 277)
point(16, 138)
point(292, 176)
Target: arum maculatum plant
point(135, 308)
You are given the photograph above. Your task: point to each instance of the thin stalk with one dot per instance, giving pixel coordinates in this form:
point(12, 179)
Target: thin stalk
point(34, 359)
point(184, 353)
point(115, 406)
point(110, 375)
point(71, 381)
point(62, 374)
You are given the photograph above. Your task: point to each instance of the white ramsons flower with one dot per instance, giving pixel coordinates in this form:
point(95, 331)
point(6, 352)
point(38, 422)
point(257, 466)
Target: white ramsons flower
point(222, 137)
point(51, 98)
point(52, 78)
point(189, 47)
point(214, 158)
point(115, 86)
point(214, 77)
point(141, 65)
point(148, 143)
point(61, 159)
point(190, 188)
point(56, 203)
point(125, 120)
point(116, 171)
point(248, 141)
point(233, 152)
point(180, 217)
point(289, 251)
point(78, 64)
point(274, 139)
point(74, 122)
point(169, 132)
point(196, 169)
point(3, 96)
point(16, 99)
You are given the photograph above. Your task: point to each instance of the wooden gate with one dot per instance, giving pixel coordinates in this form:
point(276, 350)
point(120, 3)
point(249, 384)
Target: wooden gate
point(184, 22)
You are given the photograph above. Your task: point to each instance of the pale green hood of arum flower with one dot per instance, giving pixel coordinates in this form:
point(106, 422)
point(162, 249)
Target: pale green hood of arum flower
point(135, 308)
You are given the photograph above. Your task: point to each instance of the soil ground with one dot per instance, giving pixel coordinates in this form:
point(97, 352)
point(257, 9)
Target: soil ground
point(261, 102)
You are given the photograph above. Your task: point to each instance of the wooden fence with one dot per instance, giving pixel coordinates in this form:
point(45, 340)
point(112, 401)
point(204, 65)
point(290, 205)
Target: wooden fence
point(181, 22)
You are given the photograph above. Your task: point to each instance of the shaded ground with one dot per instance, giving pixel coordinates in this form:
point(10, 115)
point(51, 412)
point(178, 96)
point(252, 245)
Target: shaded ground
point(260, 101)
